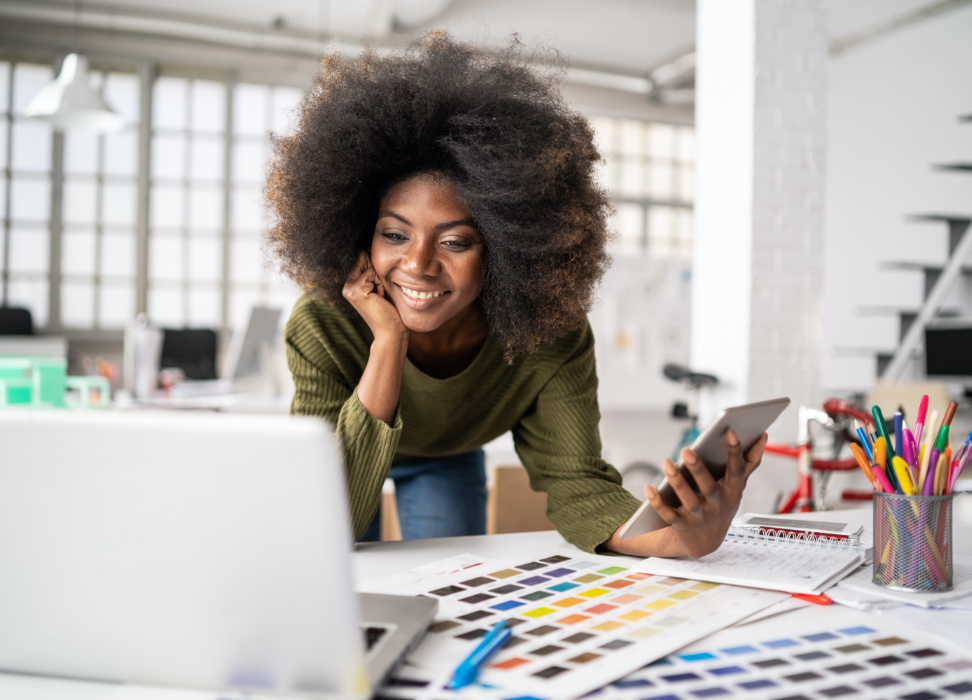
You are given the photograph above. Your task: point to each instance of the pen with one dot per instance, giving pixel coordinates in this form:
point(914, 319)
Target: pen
point(928, 485)
point(467, 671)
point(899, 448)
point(904, 478)
point(926, 448)
point(920, 421)
point(882, 480)
point(864, 464)
point(815, 599)
point(865, 443)
point(882, 429)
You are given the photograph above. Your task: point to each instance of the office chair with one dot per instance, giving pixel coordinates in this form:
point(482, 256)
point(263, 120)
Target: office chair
point(15, 321)
point(192, 351)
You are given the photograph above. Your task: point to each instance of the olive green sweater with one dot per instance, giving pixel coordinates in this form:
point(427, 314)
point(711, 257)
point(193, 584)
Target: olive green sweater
point(548, 400)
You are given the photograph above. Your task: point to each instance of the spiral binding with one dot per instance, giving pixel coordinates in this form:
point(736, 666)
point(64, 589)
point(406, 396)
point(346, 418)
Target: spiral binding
point(746, 535)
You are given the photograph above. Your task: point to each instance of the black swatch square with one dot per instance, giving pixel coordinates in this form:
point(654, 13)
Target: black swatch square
point(503, 590)
point(845, 668)
point(757, 685)
point(615, 644)
point(549, 649)
point(802, 677)
point(794, 697)
point(710, 692)
point(475, 615)
point(474, 634)
point(478, 598)
point(959, 688)
point(771, 663)
point(556, 559)
point(838, 691)
point(923, 653)
point(924, 673)
point(530, 566)
point(514, 642)
point(514, 621)
point(478, 581)
point(920, 695)
point(448, 590)
point(550, 672)
point(811, 655)
point(882, 682)
point(578, 638)
point(681, 677)
point(886, 660)
point(542, 630)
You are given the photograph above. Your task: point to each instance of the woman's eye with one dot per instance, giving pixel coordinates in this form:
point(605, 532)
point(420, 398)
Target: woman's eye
point(456, 244)
point(392, 236)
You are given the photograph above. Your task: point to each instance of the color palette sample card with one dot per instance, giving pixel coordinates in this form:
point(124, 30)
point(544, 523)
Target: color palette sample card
point(812, 654)
point(579, 622)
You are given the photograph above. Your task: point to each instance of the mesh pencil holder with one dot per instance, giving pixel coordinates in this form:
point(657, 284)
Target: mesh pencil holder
point(913, 542)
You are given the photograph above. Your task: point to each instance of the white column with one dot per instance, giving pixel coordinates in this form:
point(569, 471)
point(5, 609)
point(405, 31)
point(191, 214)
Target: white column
point(758, 265)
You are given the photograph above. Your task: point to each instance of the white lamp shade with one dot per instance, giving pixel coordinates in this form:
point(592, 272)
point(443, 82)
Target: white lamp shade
point(69, 101)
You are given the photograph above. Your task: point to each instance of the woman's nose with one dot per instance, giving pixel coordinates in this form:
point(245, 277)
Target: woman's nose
point(419, 259)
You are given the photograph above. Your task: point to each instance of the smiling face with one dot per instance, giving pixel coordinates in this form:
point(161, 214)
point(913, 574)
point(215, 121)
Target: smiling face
point(427, 252)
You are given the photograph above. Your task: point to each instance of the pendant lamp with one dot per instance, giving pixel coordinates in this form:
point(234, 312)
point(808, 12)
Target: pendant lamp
point(70, 102)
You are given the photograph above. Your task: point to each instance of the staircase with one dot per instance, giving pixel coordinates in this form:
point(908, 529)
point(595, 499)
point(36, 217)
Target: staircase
point(939, 281)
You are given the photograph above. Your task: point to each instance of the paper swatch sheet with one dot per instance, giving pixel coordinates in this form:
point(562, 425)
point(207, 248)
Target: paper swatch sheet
point(811, 654)
point(799, 568)
point(579, 622)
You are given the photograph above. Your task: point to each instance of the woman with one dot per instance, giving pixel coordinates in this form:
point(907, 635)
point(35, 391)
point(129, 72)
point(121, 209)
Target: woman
point(440, 209)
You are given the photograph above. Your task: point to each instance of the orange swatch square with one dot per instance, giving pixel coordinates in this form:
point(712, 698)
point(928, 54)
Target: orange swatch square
point(620, 583)
point(660, 604)
point(511, 663)
point(634, 615)
point(638, 576)
point(601, 608)
point(608, 626)
point(573, 619)
point(568, 602)
point(626, 598)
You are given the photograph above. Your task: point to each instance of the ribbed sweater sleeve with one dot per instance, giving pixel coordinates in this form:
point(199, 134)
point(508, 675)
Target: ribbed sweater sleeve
point(322, 389)
point(559, 444)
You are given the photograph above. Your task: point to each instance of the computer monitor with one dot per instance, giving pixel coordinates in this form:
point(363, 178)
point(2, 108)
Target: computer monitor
point(243, 358)
point(948, 352)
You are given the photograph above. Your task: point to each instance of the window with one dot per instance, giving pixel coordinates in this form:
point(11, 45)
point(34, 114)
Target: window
point(99, 213)
point(649, 172)
point(25, 195)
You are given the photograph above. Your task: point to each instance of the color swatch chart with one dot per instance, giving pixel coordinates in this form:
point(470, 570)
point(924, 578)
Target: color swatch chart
point(578, 623)
point(813, 654)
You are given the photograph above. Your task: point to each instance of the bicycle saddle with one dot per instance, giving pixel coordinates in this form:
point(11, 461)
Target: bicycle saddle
point(839, 408)
point(677, 373)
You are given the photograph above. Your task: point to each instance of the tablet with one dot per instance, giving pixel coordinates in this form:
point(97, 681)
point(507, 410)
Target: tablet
point(749, 422)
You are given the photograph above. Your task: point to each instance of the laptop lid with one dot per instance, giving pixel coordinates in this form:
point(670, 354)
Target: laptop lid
point(182, 549)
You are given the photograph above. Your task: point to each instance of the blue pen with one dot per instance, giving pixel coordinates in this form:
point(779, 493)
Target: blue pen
point(467, 671)
point(865, 444)
point(898, 435)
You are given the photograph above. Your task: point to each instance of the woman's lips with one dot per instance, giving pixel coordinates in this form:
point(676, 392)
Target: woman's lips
point(421, 299)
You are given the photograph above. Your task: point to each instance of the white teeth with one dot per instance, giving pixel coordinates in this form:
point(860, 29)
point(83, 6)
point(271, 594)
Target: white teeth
point(420, 295)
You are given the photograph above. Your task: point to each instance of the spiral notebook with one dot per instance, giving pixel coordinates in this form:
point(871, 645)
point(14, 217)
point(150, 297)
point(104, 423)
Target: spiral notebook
point(775, 562)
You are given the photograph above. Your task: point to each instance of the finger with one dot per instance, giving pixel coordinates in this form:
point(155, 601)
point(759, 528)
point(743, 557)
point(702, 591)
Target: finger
point(703, 479)
point(736, 463)
point(755, 455)
point(665, 511)
point(684, 492)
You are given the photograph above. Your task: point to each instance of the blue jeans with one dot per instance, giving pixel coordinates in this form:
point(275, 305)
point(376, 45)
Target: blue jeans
point(441, 497)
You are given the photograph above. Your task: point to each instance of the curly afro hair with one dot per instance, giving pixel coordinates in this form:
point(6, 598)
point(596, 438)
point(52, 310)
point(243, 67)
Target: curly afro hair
point(522, 163)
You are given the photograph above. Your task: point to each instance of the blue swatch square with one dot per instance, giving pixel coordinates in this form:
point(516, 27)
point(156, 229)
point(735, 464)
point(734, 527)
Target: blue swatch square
point(709, 692)
point(820, 637)
point(781, 643)
point(739, 650)
point(727, 670)
point(559, 572)
point(633, 683)
point(664, 697)
point(583, 564)
point(756, 685)
point(679, 677)
point(532, 581)
point(701, 656)
point(857, 630)
point(508, 605)
point(561, 587)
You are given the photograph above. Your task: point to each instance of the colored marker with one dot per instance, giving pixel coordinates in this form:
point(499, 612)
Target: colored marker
point(905, 484)
point(910, 455)
point(882, 429)
point(882, 480)
point(940, 475)
point(881, 460)
point(815, 599)
point(468, 670)
point(949, 413)
point(920, 421)
point(899, 448)
point(928, 485)
point(926, 448)
point(864, 464)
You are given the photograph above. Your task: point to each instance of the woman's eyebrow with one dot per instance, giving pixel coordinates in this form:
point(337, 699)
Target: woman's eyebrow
point(389, 212)
point(458, 222)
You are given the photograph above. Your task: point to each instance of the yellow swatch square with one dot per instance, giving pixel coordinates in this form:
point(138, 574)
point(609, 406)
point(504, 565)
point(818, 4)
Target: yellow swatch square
point(704, 586)
point(650, 589)
point(594, 593)
point(587, 578)
point(683, 595)
point(568, 602)
point(506, 573)
point(607, 626)
point(539, 612)
point(660, 605)
point(643, 633)
point(634, 615)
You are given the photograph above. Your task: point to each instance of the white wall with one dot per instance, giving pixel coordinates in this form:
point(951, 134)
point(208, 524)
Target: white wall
point(891, 112)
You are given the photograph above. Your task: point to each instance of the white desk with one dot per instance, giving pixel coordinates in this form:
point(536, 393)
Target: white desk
point(375, 560)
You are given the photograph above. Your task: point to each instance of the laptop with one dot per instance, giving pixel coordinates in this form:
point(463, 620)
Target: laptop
point(187, 549)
